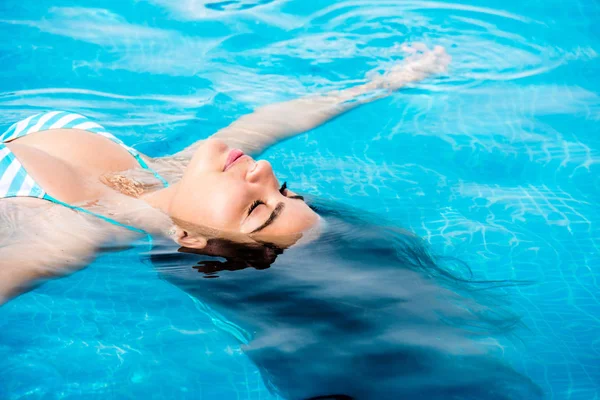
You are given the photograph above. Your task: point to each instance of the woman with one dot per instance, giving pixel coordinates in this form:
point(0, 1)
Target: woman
point(68, 186)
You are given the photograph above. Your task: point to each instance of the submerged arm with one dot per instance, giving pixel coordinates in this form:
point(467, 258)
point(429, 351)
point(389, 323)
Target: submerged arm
point(255, 132)
point(40, 241)
point(24, 266)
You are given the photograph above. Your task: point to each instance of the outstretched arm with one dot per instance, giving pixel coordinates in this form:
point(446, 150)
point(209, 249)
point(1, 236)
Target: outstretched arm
point(255, 132)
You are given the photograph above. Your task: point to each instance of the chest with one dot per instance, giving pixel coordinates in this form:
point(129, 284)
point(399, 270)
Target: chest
point(68, 164)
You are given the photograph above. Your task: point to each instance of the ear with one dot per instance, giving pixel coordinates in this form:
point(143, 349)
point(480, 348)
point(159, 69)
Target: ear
point(187, 239)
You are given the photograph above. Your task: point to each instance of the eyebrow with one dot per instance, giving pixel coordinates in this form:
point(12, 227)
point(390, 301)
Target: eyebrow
point(276, 212)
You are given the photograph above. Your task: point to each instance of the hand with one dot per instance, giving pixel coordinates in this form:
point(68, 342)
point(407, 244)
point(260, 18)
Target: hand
point(418, 65)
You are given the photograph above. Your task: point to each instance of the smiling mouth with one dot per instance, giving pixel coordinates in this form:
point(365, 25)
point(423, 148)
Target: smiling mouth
point(234, 155)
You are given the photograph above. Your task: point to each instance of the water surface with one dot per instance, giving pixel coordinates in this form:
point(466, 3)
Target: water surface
point(496, 164)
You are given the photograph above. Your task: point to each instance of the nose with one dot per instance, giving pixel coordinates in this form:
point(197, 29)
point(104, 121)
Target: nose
point(260, 172)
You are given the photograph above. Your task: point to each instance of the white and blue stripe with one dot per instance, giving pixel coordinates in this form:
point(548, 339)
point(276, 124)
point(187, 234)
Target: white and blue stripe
point(14, 180)
point(59, 120)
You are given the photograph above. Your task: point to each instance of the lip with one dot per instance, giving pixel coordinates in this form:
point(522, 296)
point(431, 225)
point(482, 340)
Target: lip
point(234, 155)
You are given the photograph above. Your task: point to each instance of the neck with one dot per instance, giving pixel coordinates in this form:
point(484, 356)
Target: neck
point(161, 198)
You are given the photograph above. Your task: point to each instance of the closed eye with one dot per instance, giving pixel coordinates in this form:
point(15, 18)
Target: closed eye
point(254, 205)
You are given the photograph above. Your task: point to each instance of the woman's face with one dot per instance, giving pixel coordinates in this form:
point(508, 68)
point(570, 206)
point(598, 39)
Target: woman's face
point(226, 190)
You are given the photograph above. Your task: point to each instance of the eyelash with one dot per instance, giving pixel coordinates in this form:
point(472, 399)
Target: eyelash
point(254, 205)
point(257, 203)
point(283, 191)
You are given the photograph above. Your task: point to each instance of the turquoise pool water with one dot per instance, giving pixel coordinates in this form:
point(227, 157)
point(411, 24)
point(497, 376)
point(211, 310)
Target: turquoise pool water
point(496, 164)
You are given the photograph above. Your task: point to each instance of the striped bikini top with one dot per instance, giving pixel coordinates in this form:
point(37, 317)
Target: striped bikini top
point(16, 182)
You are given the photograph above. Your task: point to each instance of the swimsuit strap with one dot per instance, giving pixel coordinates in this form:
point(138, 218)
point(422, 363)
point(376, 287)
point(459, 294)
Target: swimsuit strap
point(100, 216)
point(145, 166)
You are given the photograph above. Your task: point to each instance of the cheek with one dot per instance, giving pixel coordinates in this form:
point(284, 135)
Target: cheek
point(219, 206)
point(210, 156)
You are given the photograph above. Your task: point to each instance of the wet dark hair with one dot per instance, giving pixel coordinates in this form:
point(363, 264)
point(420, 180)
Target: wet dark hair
point(226, 255)
point(365, 311)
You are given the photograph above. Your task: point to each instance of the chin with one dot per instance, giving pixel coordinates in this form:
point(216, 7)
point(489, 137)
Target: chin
point(216, 146)
point(210, 155)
